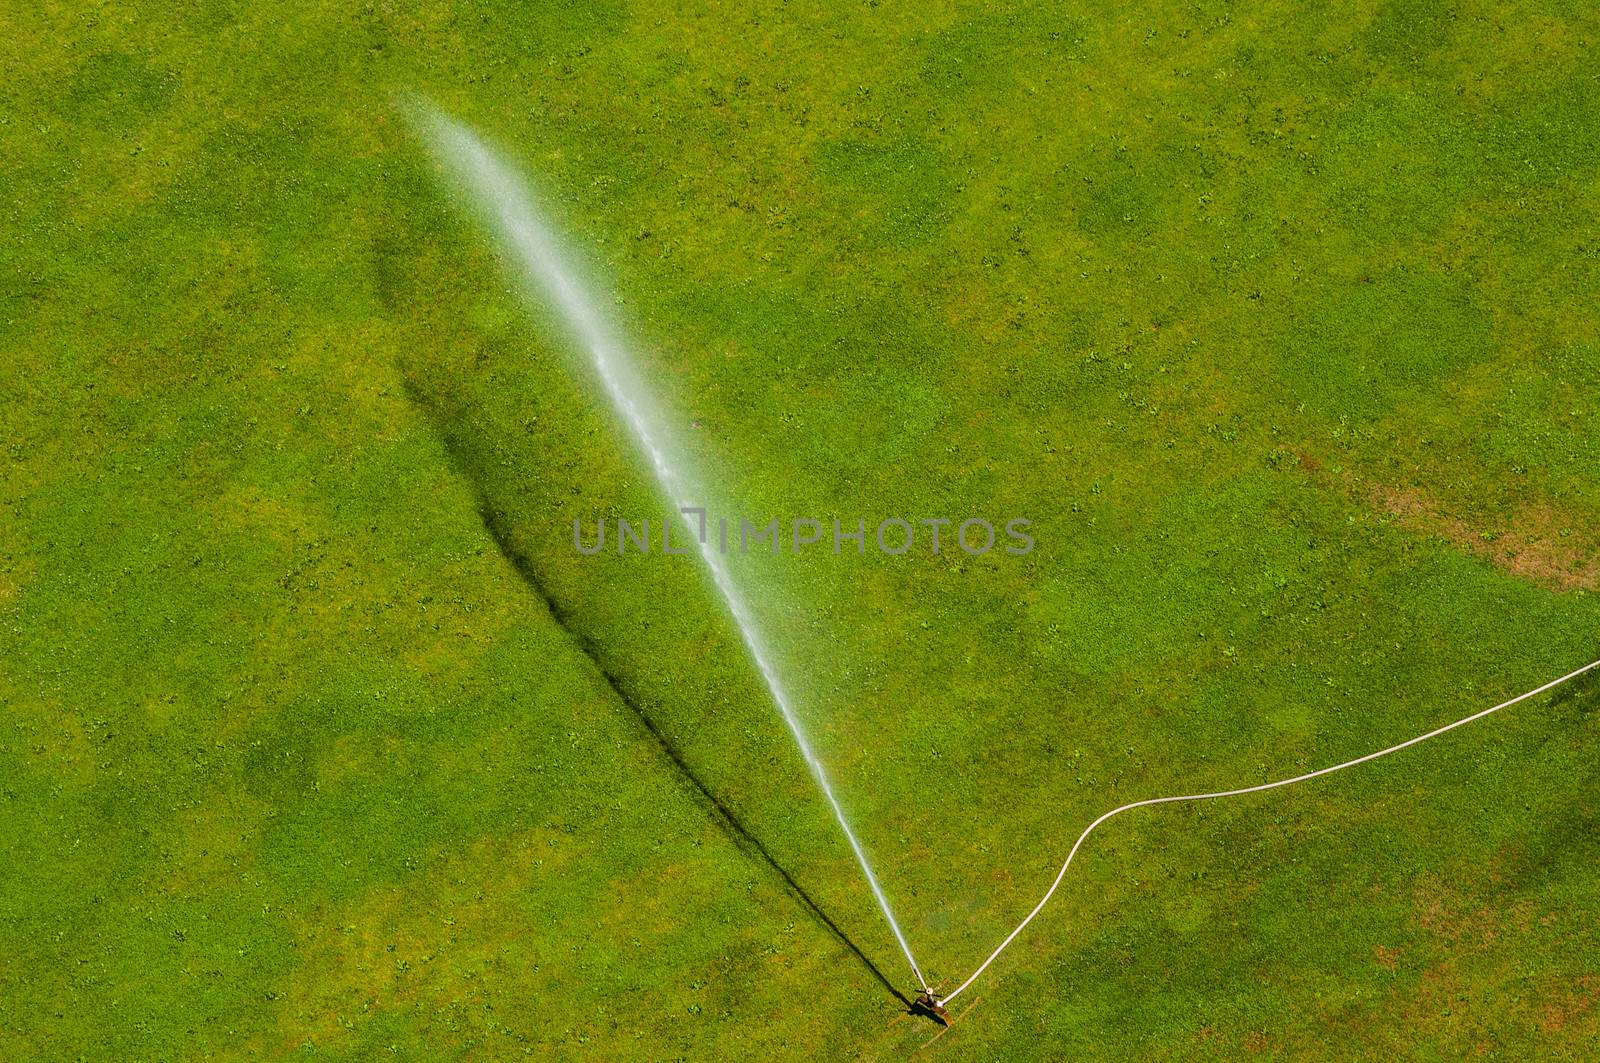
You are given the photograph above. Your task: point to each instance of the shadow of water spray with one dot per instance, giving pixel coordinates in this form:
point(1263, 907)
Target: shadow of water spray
point(503, 203)
point(732, 824)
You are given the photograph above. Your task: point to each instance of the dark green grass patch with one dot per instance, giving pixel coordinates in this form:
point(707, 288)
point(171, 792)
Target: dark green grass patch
point(1377, 342)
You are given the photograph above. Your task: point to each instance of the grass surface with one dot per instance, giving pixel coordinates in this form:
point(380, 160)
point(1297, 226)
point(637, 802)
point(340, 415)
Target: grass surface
point(1278, 323)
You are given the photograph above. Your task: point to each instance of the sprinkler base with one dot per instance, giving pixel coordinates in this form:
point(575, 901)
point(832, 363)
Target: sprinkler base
point(928, 1004)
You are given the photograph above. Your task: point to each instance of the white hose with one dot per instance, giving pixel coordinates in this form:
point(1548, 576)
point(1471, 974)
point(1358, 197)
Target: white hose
point(1247, 790)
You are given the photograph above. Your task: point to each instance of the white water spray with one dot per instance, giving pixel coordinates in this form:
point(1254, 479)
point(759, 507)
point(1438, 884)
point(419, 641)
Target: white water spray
point(507, 207)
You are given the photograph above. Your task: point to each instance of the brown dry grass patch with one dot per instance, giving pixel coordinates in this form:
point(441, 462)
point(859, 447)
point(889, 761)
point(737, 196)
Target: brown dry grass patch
point(1538, 545)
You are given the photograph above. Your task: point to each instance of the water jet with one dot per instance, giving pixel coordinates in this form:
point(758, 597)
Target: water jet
point(505, 204)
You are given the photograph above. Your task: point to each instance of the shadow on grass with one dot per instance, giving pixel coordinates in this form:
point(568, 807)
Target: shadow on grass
point(495, 522)
point(1582, 693)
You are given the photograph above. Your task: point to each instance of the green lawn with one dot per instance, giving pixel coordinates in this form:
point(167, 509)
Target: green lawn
point(1280, 323)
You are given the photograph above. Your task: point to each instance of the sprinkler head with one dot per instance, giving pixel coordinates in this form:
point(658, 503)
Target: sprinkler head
point(929, 1005)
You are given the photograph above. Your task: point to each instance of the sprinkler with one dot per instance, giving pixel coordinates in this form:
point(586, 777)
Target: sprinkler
point(928, 1003)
